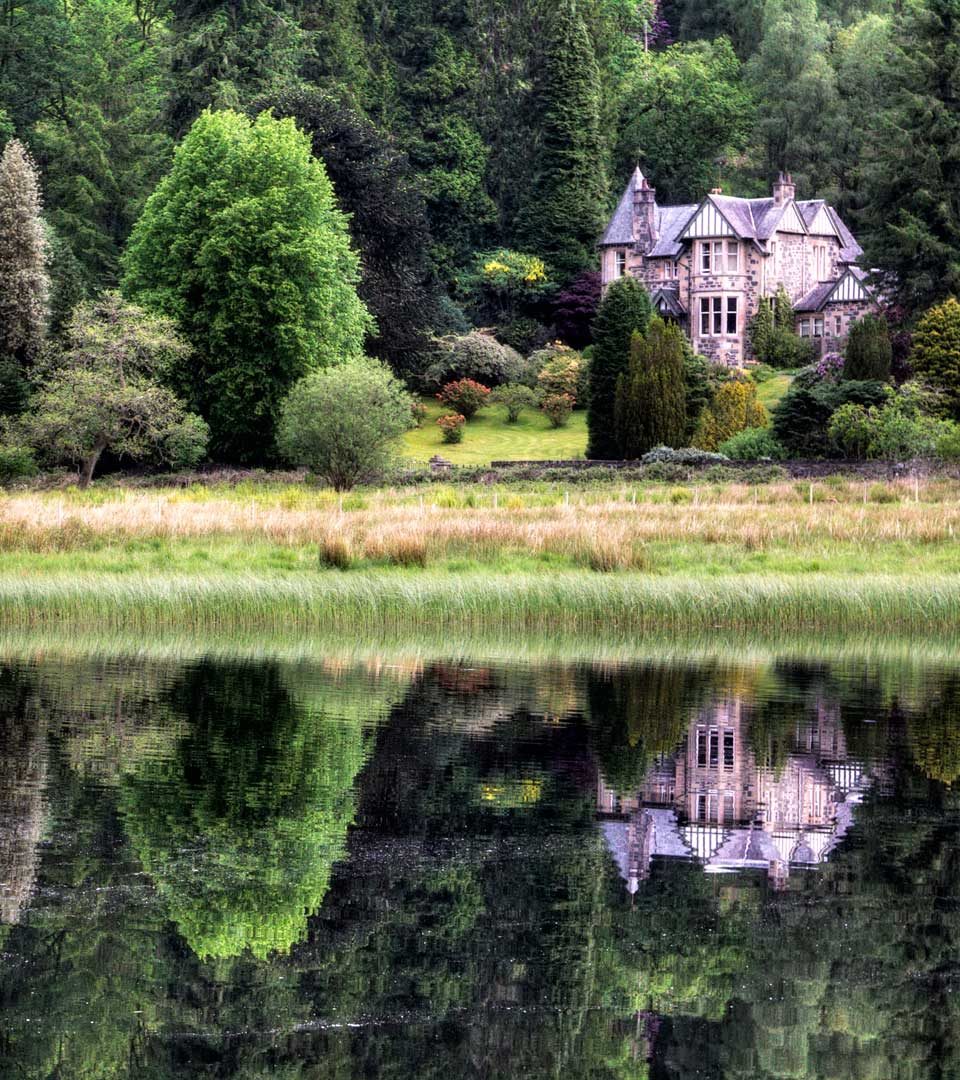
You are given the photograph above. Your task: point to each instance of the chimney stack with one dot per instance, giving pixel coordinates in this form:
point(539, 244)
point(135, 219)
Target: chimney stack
point(644, 214)
point(784, 189)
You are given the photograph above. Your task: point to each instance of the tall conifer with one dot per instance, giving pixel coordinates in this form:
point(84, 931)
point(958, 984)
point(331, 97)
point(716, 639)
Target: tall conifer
point(624, 310)
point(24, 284)
point(651, 405)
point(563, 216)
point(912, 193)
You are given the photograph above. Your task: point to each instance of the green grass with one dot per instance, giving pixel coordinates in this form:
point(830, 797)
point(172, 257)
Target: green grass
point(772, 390)
point(488, 437)
point(376, 602)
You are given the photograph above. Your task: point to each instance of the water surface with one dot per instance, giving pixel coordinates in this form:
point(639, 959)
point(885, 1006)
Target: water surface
point(243, 867)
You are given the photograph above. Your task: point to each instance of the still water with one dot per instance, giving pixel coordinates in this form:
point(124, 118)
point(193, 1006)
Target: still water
point(223, 867)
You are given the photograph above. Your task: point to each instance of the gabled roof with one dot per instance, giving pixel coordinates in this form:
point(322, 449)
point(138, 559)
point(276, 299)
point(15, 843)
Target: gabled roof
point(850, 287)
point(666, 299)
point(620, 229)
point(749, 219)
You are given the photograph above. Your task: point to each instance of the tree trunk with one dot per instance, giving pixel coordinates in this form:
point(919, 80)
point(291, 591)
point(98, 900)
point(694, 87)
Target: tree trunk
point(90, 463)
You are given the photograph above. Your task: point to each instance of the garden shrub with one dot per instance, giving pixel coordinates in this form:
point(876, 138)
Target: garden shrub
point(687, 455)
point(515, 397)
point(801, 419)
point(558, 408)
point(451, 427)
point(465, 396)
point(561, 370)
point(342, 422)
point(936, 351)
point(733, 407)
point(948, 445)
point(753, 444)
point(477, 355)
point(898, 430)
point(523, 334)
point(16, 463)
point(868, 353)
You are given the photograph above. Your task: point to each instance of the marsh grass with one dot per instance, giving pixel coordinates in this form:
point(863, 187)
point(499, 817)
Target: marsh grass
point(373, 601)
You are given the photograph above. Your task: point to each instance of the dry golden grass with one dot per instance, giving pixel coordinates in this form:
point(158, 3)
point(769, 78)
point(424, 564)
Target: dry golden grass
point(603, 530)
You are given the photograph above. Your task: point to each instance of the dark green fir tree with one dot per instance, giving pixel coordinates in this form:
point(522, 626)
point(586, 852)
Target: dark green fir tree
point(563, 215)
point(651, 403)
point(624, 311)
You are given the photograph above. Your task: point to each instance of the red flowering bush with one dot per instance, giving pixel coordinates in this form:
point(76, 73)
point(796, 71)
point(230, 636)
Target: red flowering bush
point(558, 408)
point(451, 426)
point(465, 396)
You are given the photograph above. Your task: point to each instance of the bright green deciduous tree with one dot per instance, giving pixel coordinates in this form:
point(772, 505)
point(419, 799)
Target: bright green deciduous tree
point(936, 351)
point(868, 353)
point(243, 244)
point(341, 422)
point(682, 109)
point(564, 213)
point(651, 402)
point(624, 311)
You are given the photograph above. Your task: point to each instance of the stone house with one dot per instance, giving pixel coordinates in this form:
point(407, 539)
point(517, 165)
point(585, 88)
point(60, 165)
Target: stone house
point(709, 265)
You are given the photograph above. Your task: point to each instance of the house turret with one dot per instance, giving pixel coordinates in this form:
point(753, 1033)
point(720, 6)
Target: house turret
point(644, 215)
point(784, 189)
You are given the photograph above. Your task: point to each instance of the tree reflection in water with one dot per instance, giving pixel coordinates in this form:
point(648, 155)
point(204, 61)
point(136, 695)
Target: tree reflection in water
point(226, 868)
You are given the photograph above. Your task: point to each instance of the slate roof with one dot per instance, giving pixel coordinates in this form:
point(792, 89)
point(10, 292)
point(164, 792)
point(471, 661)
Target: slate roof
point(666, 299)
point(751, 219)
point(818, 296)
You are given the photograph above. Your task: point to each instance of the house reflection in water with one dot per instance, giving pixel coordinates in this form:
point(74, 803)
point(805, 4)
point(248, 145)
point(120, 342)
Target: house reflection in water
point(712, 801)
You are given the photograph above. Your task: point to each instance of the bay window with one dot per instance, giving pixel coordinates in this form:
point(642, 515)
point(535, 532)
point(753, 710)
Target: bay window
point(719, 315)
point(733, 256)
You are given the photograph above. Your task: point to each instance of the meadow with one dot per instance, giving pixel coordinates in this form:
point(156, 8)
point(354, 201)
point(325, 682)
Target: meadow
point(832, 553)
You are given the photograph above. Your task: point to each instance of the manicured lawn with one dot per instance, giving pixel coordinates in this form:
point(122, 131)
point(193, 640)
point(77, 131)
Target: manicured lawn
point(771, 391)
point(488, 437)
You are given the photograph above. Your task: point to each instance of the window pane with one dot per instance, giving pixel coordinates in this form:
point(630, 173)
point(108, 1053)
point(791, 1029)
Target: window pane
point(818, 327)
point(717, 315)
point(705, 256)
point(714, 746)
point(804, 328)
point(731, 314)
point(704, 316)
point(728, 749)
point(733, 256)
point(701, 747)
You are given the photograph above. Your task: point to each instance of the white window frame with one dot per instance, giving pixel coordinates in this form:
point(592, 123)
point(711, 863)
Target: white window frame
point(733, 256)
point(714, 313)
point(818, 326)
point(804, 328)
point(619, 263)
point(732, 308)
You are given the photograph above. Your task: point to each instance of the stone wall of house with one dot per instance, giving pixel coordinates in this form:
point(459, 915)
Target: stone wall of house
point(847, 312)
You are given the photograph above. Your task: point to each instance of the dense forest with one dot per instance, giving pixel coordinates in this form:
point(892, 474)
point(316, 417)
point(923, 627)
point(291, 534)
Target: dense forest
point(453, 164)
point(450, 127)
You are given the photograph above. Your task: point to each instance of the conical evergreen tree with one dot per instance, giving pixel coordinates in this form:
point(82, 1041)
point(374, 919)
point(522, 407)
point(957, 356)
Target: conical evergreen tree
point(624, 310)
point(868, 354)
point(651, 405)
point(23, 278)
point(912, 190)
point(563, 216)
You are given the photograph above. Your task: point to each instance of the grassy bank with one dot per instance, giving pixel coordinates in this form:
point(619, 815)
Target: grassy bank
point(600, 559)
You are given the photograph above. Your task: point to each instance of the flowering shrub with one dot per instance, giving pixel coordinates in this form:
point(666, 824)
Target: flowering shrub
point(829, 367)
point(419, 413)
point(562, 371)
point(451, 426)
point(466, 396)
point(558, 408)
